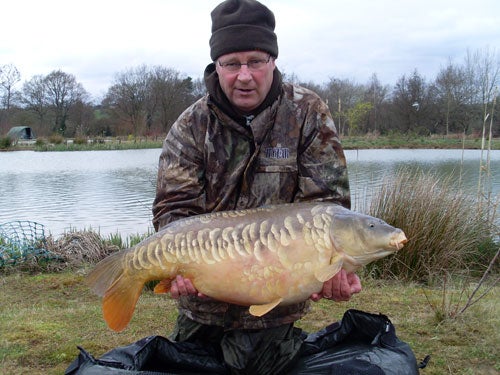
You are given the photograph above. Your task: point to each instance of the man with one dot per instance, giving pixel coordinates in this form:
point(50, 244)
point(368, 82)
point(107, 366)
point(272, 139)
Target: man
point(252, 140)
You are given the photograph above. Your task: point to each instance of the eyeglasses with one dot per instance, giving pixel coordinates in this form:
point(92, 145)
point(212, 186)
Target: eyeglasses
point(253, 65)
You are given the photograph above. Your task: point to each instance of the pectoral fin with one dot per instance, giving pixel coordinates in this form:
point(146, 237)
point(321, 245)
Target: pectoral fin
point(259, 310)
point(326, 273)
point(163, 286)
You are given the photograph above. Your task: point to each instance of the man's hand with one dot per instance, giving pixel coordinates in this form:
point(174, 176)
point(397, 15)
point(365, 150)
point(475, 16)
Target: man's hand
point(340, 287)
point(183, 287)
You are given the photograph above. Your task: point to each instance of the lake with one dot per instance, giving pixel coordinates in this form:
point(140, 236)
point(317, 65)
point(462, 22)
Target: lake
point(112, 191)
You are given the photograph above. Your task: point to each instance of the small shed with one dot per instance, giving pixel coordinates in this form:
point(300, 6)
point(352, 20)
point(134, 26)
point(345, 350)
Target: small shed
point(21, 133)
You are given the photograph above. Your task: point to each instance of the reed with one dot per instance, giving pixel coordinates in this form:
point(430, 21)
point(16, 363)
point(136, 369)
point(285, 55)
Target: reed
point(447, 229)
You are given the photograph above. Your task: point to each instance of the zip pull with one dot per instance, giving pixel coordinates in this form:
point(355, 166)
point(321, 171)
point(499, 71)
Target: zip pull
point(249, 119)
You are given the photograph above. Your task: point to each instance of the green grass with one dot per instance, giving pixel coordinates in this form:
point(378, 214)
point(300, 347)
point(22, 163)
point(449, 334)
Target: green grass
point(43, 317)
point(126, 145)
point(349, 142)
point(415, 142)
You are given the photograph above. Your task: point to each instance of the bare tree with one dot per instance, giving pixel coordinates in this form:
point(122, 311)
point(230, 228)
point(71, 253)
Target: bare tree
point(376, 94)
point(452, 95)
point(471, 90)
point(34, 98)
point(82, 115)
point(341, 96)
point(150, 98)
point(482, 77)
point(9, 76)
point(412, 99)
point(63, 92)
point(199, 88)
point(488, 78)
point(171, 92)
point(127, 96)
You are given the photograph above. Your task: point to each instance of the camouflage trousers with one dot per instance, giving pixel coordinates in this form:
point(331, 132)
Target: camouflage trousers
point(256, 352)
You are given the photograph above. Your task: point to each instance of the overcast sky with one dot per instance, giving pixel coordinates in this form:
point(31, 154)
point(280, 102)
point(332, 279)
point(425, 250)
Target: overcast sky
point(318, 39)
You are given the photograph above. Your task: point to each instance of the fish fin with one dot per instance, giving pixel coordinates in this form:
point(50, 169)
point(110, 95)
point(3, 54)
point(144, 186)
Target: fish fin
point(105, 273)
point(119, 290)
point(326, 273)
point(119, 302)
point(163, 286)
point(259, 310)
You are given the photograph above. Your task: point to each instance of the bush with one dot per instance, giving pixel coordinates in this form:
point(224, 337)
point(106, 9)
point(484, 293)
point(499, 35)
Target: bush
point(80, 141)
point(5, 142)
point(446, 229)
point(56, 139)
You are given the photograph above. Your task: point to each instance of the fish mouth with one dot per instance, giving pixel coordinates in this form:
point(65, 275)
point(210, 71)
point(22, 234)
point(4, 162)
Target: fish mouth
point(399, 241)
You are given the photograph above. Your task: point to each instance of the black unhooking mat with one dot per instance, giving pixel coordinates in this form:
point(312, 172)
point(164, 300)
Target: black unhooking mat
point(362, 344)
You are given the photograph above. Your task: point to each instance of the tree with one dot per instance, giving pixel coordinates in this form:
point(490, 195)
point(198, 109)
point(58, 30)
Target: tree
point(342, 95)
point(451, 98)
point(35, 99)
point(376, 94)
point(171, 94)
point(149, 98)
point(9, 76)
point(63, 92)
point(82, 115)
point(127, 96)
point(412, 101)
point(358, 115)
point(488, 78)
point(199, 88)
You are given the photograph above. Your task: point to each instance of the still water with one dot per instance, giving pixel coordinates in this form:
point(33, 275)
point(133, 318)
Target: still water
point(112, 191)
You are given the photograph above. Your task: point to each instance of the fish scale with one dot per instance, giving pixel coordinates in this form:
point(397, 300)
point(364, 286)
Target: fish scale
point(261, 258)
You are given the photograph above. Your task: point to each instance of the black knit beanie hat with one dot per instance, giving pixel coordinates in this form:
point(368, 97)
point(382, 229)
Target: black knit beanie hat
point(242, 25)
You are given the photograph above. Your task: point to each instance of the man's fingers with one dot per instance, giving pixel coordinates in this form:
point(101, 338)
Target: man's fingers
point(190, 289)
point(183, 287)
point(315, 297)
point(354, 283)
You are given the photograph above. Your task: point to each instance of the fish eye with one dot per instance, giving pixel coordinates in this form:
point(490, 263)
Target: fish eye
point(371, 225)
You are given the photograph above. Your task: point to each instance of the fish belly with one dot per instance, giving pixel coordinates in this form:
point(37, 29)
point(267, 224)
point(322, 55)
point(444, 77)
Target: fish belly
point(249, 282)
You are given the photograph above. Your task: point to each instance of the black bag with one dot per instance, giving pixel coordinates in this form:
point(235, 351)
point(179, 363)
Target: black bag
point(361, 344)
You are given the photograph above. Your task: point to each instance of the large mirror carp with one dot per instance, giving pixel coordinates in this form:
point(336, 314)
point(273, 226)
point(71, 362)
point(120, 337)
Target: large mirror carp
point(261, 258)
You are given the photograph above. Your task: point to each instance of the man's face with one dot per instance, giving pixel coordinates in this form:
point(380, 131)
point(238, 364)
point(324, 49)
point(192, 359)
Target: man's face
point(246, 88)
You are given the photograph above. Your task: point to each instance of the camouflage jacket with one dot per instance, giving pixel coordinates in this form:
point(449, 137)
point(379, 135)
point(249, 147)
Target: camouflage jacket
point(287, 153)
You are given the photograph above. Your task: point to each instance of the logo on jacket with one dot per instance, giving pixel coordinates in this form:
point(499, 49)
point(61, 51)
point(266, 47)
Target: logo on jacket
point(277, 152)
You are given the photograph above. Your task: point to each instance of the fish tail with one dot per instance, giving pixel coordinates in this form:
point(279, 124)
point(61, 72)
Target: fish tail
point(106, 272)
point(120, 289)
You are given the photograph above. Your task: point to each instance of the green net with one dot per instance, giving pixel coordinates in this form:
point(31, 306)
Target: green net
point(22, 241)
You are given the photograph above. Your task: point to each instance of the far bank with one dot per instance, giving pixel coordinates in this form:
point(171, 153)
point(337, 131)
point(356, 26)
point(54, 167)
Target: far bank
point(349, 143)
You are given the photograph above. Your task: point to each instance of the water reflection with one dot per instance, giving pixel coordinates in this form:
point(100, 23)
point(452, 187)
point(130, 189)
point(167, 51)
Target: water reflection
point(112, 191)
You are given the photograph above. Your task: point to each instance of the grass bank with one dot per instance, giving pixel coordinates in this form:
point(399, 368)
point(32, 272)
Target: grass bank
point(416, 142)
point(43, 317)
point(349, 143)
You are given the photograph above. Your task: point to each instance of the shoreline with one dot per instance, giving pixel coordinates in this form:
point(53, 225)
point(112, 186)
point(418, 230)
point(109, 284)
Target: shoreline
point(348, 143)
